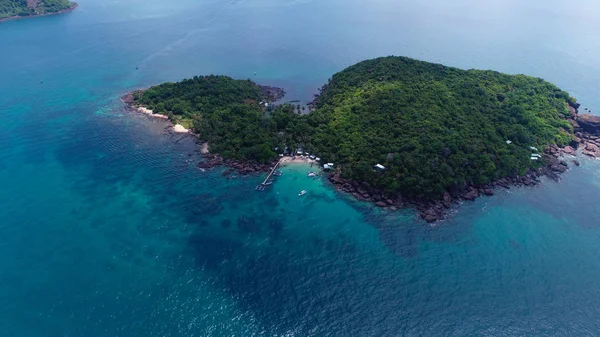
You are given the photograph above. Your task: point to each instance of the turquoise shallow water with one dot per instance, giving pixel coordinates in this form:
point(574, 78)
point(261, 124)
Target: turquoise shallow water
point(109, 229)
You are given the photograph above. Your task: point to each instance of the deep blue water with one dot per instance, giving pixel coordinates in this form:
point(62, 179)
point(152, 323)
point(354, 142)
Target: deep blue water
point(108, 228)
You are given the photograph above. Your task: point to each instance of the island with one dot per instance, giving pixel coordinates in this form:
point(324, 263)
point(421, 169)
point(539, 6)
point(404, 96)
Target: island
point(13, 9)
point(394, 131)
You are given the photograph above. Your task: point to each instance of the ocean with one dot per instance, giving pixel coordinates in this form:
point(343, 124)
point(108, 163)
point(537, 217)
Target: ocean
point(108, 228)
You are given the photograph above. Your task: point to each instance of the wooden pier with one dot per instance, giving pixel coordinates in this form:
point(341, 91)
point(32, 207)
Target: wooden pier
point(262, 186)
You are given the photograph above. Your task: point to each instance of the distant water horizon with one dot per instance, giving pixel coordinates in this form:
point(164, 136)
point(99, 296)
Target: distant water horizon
point(109, 228)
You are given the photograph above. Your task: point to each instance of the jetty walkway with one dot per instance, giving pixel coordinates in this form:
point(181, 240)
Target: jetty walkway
point(262, 186)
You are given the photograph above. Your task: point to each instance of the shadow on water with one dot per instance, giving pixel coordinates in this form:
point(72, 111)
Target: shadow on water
point(401, 231)
point(213, 250)
point(305, 289)
point(574, 196)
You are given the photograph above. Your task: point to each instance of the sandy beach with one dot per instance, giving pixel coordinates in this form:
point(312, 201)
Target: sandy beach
point(204, 149)
point(151, 113)
point(299, 160)
point(178, 128)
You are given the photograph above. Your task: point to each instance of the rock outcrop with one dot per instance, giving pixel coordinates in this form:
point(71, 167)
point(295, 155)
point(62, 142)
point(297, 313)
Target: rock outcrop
point(591, 148)
point(589, 123)
point(272, 94)
point(243, 168)
point(471, 194)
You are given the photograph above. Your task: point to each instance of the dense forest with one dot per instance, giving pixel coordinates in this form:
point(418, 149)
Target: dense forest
point(10, 8)
point(230, 114)
point(433, 127)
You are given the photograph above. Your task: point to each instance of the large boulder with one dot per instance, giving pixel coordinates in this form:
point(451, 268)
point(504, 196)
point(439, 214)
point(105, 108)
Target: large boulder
point(573, 106)
point(592, 150)
point(558, 168)
point(592, 147)
point(569, 150)
point(472, 194)
point(591, 154)
point(447, 200)
point(589, 123)
point(430, 215)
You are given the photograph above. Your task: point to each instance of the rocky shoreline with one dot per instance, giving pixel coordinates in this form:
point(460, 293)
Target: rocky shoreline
point(17, 17)
point(213, 160)
point(312, 105)
point(128, 99)
point(586, 140)
point(271, 94)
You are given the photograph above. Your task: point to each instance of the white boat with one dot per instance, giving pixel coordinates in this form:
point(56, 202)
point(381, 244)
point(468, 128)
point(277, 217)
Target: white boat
point(312, 174)
point(303, 192)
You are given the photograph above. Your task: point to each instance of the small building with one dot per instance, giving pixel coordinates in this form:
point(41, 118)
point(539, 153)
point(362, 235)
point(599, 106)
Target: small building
point(328, 166)
point(312, 156)
point(534, 158)
point(533, 149)
point(318, 159)
point(508, 142)
point(536, 155)
point(379, 167)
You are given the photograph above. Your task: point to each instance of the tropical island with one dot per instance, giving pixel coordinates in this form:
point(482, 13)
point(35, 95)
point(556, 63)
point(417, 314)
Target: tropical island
point(398, 131)
point(12, 9)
